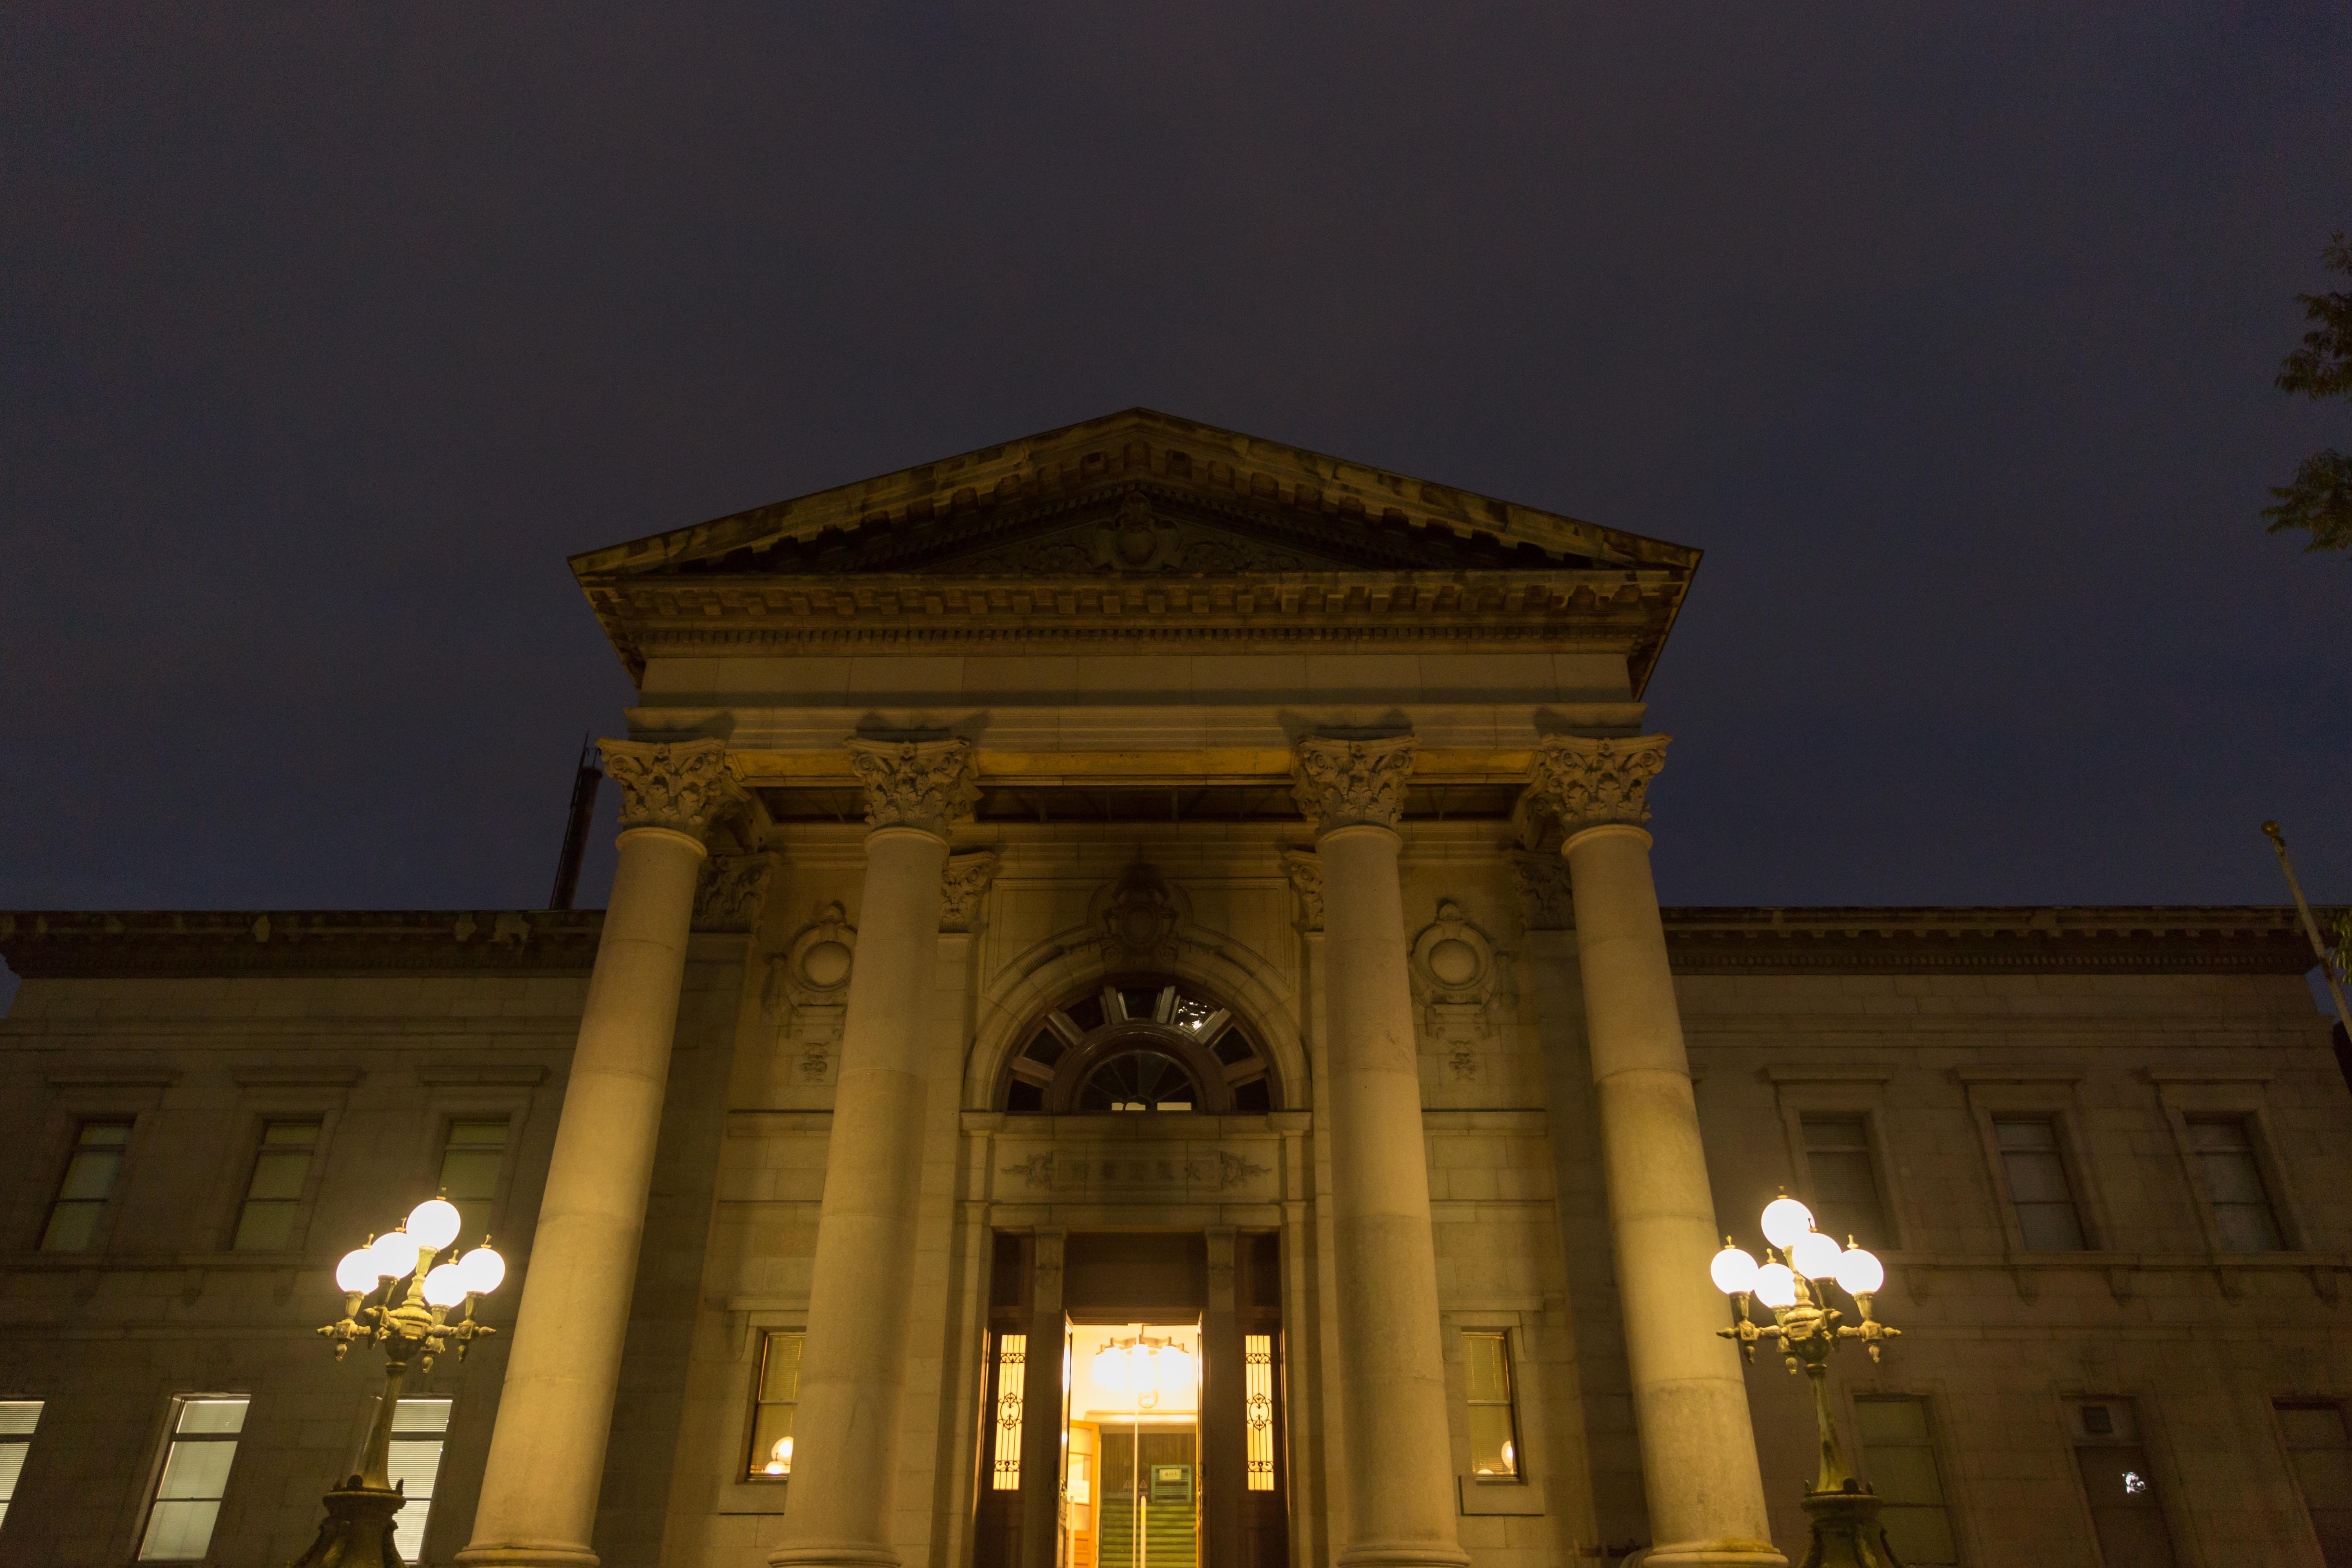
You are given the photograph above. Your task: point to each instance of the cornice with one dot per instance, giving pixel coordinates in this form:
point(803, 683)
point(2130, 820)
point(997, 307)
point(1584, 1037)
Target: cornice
point(55, 943)
point(2090, 940)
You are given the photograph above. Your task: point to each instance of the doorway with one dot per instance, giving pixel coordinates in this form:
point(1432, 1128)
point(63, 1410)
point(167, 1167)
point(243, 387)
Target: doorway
point(1132, 1438)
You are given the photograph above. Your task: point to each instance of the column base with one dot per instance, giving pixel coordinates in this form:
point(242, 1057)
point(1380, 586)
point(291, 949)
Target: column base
point(357, 1532)
point(523, 1554)
point(832, 1554)
point(1725, 1554)
point(1403, 1555)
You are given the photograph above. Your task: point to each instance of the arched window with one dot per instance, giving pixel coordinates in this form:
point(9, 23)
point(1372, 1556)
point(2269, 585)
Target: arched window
point(1139, 1044)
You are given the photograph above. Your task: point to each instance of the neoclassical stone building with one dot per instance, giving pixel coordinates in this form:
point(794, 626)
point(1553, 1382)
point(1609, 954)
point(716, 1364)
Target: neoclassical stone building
point(1133, 1029)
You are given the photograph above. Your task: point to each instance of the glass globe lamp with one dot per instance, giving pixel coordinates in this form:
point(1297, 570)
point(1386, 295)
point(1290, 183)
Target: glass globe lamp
point(1815, 1256)
point(356, 1274)
point(1786, 1221)
point(395, 1254)
point(484, 1269)
point(434, 1222)
point(1859, 1273)
point(1776, 1284)
point(445, 1285)
point(1733, 1271)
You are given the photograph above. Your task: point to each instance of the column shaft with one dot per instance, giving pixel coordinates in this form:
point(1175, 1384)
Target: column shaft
point(1698, 1450)
point(547, 1456)
point(1041, 1462)
point(1400, 1460)
point(841, 1507)
point(1225, 1445)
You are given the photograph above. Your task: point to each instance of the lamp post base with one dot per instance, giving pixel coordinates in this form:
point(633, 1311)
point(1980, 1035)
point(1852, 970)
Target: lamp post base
point(358, 1529)
point(1845, 1531)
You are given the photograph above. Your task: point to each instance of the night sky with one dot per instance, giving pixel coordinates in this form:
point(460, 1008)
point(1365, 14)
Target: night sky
point(1947, 336)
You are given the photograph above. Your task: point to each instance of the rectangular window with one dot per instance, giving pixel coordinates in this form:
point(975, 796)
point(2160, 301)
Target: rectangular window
point(1258, 1408)
point(1899, 1454)
point(88, 1183)
point(2038, 1187)
point(273, 1193)
point(774, 1397)
point(1494, 1416)
point(471, 1162)
point(17, 1419)
point(2234, 1183)
point(2319, 1451)
point(1011, 1355)
point(1846, 1184)
point(196, 1475)
point(419, 1429)
point(2126, 1512)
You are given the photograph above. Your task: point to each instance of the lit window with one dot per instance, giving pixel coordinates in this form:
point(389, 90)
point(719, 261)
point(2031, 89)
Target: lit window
point(273, 1194)
point(2038, 1187)
point(195, 1478)
point(88, 1183)
point(2127, 1512)
point(1899, 1456)
point(1846, 1185)
point(1494, 1420)
point(418, 1429)
point(471, 1162)
point(2234, 1184)
point(17, 1419)
point(1012, 1354)
point(1258, 1408)
point(774, 1397)
point(2319, 1450)
point(1138, 1080)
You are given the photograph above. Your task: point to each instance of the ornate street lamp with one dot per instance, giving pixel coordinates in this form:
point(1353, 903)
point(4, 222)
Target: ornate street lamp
point(395, 1296)
point(1795, 1284)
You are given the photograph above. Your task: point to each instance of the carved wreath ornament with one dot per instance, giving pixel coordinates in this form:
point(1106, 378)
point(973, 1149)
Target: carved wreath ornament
point(1341, 783)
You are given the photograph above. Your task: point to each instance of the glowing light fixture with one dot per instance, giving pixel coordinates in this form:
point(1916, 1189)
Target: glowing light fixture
point(1785, 1221)
point(484, 1268)
point(395, 1254)
point(1859, 1273)
point(445, 1285)
point(1815, 1256)
point(1776, 1284)
point(357, 1272)
point(1733, 1271)
point(434, 1222)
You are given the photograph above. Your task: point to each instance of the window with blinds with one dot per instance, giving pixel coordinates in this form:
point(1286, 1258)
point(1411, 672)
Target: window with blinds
point(273, 1192)
point(17, 1419)
point(193, 1479)
point(2233, 1183)
point(419, 1428)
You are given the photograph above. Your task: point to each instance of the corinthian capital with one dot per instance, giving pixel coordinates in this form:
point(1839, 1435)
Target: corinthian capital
point(1341, 783)
point(1587, 783)
point(929, 785)
point(677, 784)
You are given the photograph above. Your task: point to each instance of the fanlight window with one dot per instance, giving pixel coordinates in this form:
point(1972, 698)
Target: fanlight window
point(1139, 1044)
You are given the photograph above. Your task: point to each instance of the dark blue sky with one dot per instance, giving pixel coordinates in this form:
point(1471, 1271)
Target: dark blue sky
point(1947, 335)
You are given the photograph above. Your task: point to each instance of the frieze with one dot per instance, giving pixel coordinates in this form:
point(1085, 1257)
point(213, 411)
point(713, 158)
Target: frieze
point(1143, 1173)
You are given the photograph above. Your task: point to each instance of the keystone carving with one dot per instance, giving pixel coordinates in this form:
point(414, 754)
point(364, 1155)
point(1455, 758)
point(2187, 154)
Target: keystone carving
point(963, 887)
point(684, 785)
point(1342, 784)
point(1546, 900)
point(729, 890)
point(1587, 783)
point(929, 785)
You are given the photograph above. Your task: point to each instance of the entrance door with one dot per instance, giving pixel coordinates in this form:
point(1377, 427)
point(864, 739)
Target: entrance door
point(1133, 1437)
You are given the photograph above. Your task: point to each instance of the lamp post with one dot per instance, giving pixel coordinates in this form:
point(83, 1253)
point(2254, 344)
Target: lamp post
point(1794, 1284)
point(396, 1297)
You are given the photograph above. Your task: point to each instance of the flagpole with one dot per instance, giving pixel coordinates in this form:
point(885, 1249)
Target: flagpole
point(2310, 928)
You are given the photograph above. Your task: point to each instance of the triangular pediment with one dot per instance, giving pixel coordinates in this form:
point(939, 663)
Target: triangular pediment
point(1129, 521)
point(1218, 501)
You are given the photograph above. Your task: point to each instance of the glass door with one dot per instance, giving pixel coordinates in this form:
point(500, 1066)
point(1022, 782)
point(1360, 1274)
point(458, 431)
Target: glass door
point(1131, 1492)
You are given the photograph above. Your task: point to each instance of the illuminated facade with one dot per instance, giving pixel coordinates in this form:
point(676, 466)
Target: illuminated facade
point(1133, 1030)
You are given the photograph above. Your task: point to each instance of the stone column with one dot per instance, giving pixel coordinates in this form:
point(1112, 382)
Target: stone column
point(840, 1507)
point(1392, 1363)
point(1225, 1440)
point(546, 1453)
point(1690, 1402)
point(1042, 1460)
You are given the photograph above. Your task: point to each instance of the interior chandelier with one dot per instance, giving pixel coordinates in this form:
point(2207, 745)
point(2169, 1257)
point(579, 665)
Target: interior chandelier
point(1144, 1366)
